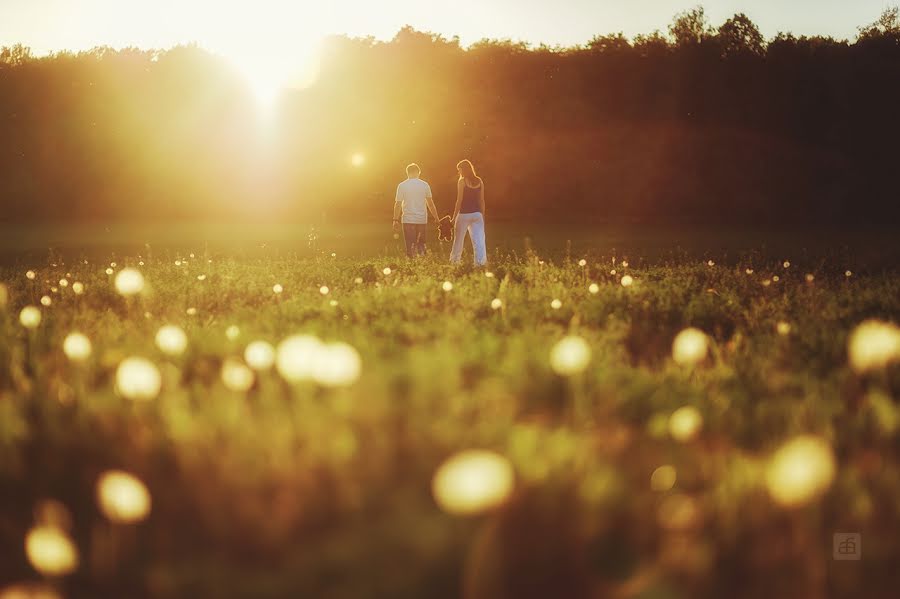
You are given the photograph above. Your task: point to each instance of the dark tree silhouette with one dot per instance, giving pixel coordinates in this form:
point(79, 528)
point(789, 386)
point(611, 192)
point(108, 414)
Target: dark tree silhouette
point(705, 124)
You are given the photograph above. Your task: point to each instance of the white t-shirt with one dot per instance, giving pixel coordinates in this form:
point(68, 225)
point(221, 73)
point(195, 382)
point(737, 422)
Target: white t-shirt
point(412, 194)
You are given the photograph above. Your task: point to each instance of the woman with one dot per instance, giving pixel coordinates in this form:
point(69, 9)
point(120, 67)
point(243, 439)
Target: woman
point(468, 215)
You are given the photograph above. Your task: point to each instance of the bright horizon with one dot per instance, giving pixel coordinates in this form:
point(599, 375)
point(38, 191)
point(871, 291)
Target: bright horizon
point(53, 25)
point(274, 42)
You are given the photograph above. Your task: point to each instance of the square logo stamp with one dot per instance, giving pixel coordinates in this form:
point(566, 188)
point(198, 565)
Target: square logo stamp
point(847, 546)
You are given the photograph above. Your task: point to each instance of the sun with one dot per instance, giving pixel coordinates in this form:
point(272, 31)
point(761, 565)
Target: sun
point(269, 69)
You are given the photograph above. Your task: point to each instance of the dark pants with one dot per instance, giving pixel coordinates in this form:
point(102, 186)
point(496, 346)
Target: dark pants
point(414, 235)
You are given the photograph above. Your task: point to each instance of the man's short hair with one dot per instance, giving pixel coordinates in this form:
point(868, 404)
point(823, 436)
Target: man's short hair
point(413, 169)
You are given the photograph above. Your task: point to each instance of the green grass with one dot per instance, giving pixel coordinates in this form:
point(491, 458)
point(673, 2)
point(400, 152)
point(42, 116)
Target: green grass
point(303, 491)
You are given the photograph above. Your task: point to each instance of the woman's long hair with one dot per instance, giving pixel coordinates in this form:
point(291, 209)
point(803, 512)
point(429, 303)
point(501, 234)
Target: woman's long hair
point(467, 170)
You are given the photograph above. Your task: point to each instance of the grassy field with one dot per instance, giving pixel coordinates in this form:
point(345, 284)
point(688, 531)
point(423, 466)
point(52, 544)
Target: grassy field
point(720, 467)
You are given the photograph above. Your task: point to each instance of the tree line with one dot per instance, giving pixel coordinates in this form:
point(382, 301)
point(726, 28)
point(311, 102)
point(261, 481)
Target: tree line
point(700, 123)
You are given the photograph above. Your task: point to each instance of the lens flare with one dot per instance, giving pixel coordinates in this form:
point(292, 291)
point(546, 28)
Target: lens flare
point(77, 347)
point(690, 347)
point(50, 551)
point(685, 423)
point(138, 379)
point(873, 345)
point(171, 340)
point(358, 159)
point(570, 356)
point(260, 355)
point(30, 317)
point(472, 482)
point(800, 471)
point(122, 497)
point(129, 282)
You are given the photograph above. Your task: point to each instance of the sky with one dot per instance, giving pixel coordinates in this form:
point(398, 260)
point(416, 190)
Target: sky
point(232, 26)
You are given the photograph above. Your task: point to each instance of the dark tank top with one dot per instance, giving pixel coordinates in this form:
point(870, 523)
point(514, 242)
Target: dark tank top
point(470, 200)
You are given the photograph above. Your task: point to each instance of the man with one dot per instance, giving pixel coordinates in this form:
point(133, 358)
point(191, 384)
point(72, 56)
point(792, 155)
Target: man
point(413, 197)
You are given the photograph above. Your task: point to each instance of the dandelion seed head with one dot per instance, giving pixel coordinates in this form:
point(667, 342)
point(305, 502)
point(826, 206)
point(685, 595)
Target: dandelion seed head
point(77, 347)
point(122, 497)
point(472, 482)
point(171, 340)
point(260, 355)
point(570, 356)
point(138, 379)
point(30, 317)
point(129, 281)
point(800, 471)
point(690, 346)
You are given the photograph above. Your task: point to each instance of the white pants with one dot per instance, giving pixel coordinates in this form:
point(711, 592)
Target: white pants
point(474, 224)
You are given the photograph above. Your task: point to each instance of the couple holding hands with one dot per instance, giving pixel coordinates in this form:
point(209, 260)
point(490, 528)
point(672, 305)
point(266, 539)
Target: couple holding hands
point(414, 201)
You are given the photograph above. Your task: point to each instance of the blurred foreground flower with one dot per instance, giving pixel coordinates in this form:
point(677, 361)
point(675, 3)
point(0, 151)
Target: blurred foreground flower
point(30, 317)
point(77, 347)
point(473, 481)
point(29, 590)
point(171, 340)
point(259, 355)
point(138, 379)
point(690, 347)
point(336, 365)
point(663, 478)
point(122, 497)
point(129, 282)
point(50, 551)
point(295, 357)
point(800, 470)
point(236, 376)
point(570, 356)
point(685, 423)
point(873, 345)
